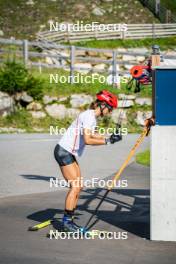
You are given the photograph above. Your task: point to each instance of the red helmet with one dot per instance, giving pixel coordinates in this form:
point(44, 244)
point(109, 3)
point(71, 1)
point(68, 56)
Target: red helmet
point(108, 98)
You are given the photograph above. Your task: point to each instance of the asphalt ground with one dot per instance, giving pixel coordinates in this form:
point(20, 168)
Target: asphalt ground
point(124, 211)
point(27, 162)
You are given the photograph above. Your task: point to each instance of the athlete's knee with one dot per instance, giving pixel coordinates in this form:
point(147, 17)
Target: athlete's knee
point(77, 185)
point(76, 189)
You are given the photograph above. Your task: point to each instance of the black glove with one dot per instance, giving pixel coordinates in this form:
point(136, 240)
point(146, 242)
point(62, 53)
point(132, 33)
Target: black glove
point(115, 138)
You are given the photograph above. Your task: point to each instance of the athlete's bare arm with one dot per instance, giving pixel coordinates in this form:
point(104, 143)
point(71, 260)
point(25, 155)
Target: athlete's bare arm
point(93, 139)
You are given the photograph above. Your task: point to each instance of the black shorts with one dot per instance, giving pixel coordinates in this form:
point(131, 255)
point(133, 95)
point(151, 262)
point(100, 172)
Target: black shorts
point(63, 157)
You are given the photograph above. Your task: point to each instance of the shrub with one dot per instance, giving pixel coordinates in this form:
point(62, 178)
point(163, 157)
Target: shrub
point(14, 77)
point(34, 87)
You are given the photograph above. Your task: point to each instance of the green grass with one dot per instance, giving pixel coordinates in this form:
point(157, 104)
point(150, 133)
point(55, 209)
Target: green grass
point(143, 158)
point(66, 89)
point(20, 20)
point(22, 119)
point(164, 43)
point(132, 126)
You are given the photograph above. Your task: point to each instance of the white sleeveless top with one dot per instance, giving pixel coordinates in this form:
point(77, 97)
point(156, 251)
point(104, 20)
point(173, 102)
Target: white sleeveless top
point(73, 140)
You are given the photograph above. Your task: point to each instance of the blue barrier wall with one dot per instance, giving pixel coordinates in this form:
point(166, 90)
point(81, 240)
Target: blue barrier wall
point(164, 101)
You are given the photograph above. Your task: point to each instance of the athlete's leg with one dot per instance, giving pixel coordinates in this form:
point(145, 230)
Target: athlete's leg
point(71, 173)
point(79, 176)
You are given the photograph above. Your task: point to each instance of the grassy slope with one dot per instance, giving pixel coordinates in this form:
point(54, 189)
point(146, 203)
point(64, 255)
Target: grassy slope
point(22, 21)
point(164, 43)
point(62, 89)
point(22, 119)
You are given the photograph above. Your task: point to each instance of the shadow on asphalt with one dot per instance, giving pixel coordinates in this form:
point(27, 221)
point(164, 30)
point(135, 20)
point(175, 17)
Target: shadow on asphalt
point(48, 214)
point(44, 215)
point(127, 209)
point(38, 177)
point(133, 217)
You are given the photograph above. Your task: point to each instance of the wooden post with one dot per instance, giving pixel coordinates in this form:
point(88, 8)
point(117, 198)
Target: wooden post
point(157, 7)
point(168, 16)
point(114, 55)
point(123, 34)
point(72, 60)
point(155, 56)
point(96, 33)
point(68, 34)
point(25, 52)
point(155, 60)
point(153, 31)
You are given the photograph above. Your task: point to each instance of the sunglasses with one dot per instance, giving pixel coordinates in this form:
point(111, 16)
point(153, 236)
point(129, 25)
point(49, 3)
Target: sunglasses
point(109, 108)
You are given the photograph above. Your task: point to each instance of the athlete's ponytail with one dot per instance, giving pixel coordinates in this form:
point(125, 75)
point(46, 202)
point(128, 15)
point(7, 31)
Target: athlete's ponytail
point(95, 104)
